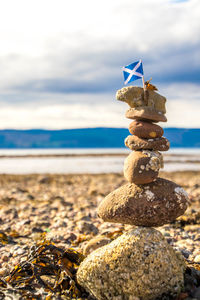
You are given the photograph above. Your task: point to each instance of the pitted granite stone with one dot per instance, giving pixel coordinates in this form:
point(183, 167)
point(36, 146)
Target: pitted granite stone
point(145, 130)
point(133, 142)
point(142, 167)
point(154, 204)
point(139, 264)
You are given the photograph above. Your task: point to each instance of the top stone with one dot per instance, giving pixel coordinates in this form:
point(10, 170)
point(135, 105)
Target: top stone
point(135, 98)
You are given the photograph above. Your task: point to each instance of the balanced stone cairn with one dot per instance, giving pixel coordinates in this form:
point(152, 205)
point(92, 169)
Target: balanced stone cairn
point(140, 264)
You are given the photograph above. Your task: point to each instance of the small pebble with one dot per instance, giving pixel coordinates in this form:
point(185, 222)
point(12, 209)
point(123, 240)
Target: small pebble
point(197, 258)
point(5, 257)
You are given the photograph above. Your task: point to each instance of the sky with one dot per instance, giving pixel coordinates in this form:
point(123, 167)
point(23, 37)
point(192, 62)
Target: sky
point(61, 61)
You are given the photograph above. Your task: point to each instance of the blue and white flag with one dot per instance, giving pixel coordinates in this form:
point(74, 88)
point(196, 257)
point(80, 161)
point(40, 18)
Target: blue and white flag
point(133, 71)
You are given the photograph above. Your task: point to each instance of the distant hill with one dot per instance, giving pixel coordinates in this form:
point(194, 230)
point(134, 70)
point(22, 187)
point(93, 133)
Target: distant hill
point(88, 138)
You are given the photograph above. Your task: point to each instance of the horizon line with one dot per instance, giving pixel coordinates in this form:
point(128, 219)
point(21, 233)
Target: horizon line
point(83, 128)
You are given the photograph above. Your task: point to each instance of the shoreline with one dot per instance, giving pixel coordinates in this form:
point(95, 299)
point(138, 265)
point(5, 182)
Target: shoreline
point(123, 154)
point(161, 173)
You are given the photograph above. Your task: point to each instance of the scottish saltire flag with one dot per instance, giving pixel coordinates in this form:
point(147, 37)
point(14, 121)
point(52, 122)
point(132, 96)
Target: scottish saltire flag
point(133, 71)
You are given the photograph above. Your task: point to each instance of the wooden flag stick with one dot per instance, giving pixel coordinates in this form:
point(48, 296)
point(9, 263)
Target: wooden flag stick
point(143, 83)
point(145, 92)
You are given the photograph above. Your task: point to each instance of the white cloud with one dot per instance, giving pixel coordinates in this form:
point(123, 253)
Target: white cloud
point(95, 110)
point(58, 116)
point(49, 38)
point(51, 49)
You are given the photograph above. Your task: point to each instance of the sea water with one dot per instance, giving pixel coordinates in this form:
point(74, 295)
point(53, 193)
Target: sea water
point(77, 161)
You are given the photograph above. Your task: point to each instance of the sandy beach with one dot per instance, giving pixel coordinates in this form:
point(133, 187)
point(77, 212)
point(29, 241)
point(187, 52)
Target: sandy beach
point(62, 209)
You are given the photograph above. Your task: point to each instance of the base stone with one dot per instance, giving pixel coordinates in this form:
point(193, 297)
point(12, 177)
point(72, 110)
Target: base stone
point(140, 264)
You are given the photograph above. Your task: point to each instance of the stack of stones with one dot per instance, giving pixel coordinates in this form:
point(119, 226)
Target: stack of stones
point(140, 264)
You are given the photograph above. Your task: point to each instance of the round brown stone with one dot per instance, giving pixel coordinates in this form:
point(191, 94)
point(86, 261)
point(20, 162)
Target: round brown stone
point(154, 204)
point(145, 130)
point(145, 113)
point(142, 167)
point(133, 142)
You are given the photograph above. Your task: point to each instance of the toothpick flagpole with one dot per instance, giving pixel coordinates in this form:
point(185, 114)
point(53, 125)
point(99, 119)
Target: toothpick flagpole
point(145, 91)
point(143, 82)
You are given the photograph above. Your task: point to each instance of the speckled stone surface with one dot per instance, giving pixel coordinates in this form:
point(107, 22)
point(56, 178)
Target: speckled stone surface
point(145, 113)
point(145, 130)
point(135, 143)
point(154, 204)
point(140, 263)
point(134, 97)
point(142, 167)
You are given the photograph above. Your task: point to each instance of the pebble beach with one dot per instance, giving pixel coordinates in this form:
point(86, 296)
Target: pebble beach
point(63, 210)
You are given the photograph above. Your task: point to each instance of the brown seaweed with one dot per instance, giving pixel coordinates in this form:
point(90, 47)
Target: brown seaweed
point(48, 270)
